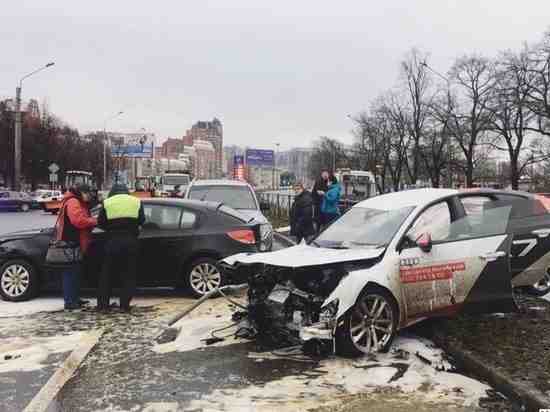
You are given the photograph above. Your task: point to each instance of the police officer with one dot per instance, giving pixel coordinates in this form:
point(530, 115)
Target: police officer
point(121, 217)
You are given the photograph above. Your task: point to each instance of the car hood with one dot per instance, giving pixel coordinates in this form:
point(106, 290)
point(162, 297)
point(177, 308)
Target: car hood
point(254, 214)
point(23, 234)
point(304, 256)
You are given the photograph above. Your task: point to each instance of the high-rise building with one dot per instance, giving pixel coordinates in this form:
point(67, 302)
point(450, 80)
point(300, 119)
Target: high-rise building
point(172, 148)
point(210, 131)
point(296, 161)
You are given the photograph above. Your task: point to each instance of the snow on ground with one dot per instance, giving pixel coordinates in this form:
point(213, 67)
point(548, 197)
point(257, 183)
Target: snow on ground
point(28, 354)
point(55, 303)
point(338, 377)
point(199, 324)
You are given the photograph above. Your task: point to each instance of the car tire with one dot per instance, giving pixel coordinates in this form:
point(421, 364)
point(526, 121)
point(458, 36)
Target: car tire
point(355, 336)
point(204, 275)
point(25, 207)
point(18, 281)
point(542, 287)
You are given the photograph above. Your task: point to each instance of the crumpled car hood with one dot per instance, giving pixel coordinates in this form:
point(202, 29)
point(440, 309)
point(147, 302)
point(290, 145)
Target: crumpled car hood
point(303, 256)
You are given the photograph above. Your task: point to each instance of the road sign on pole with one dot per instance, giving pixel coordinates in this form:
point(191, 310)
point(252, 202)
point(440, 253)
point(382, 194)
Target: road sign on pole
point(53, 168)
point(53, 178)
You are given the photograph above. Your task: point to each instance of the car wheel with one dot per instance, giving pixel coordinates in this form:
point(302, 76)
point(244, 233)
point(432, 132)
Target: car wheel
point(204, 276)
point(369, 326)
point(542, 287)
point(25, 207)
point(18, 281)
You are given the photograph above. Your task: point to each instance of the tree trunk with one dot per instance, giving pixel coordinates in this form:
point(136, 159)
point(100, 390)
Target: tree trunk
point(469, 172)
point(514, 173)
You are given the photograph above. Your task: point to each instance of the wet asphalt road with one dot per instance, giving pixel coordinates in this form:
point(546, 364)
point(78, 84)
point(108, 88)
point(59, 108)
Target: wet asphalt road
point(124, 372)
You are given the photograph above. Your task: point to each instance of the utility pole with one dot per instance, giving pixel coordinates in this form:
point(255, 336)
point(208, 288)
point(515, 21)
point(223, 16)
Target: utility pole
point(449, 146)
point(17, 141)
point(18, 126)
point(104, 185)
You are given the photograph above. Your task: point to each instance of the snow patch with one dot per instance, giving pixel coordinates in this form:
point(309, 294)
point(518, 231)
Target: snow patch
point(401, 369)
point(28, 354)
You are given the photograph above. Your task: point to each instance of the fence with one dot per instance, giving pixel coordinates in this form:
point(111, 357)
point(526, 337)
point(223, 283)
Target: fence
point(281, 203)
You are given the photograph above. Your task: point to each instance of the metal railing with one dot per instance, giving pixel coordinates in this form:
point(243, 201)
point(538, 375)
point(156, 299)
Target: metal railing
point(281, 203)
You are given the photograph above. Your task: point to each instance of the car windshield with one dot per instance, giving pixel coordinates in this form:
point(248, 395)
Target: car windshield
point(363, 227)
point(175, 180)
point(236, 197)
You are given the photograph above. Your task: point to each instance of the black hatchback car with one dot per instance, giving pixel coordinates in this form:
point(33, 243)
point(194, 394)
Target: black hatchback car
point(181, 243)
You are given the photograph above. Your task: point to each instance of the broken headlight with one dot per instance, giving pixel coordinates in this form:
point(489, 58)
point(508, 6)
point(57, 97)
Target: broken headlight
point(328, 312)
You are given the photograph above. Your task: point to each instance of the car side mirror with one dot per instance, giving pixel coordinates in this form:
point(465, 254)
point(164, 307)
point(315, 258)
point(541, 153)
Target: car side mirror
point(424, 242)
point(265, 206)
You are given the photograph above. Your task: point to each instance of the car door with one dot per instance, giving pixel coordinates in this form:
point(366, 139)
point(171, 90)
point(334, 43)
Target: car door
point(465, 268)
point(530, 225)
point(164, 241)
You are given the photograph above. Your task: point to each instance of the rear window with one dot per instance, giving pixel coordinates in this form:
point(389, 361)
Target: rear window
point(226, 210)
point(236, 197)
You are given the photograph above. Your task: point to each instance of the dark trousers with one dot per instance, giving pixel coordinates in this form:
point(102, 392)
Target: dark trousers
point(71, 285)
point(120, 258)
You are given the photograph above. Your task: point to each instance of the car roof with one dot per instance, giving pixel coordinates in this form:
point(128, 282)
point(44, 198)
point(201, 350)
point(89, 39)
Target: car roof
point(406, 198)
point(219, 182)
point(196, 204)
point(421, 197)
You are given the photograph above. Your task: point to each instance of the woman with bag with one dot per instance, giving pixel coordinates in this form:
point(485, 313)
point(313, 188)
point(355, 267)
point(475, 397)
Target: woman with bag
point(74, 226)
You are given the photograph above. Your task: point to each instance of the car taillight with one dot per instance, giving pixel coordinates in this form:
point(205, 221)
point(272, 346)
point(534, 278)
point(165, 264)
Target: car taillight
point(243, 236)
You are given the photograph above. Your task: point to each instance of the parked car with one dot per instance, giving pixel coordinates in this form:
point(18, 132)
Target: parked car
point(181, 243)
point(396, 259)
point(15, 201)
point(41, 196)
point(237, 195)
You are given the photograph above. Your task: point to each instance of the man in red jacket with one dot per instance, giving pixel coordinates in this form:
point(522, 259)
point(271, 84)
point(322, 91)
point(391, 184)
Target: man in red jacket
point(75, 224)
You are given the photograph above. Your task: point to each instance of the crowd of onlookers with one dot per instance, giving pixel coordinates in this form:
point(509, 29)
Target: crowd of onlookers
point(311, 211)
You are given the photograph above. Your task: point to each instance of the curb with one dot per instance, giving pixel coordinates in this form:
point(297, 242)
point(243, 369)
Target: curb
point(496, 378)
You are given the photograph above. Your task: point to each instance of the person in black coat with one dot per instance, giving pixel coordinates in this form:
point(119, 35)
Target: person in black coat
point(318, 193)
point(301, 214)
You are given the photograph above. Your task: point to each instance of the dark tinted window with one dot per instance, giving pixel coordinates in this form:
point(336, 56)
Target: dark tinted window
point(162, 217)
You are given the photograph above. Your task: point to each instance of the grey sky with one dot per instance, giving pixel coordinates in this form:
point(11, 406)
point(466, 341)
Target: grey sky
point(282, 71)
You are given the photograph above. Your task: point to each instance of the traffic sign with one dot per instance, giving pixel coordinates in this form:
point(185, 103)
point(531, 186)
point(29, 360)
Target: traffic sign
point(53, 168)
point(53, 178)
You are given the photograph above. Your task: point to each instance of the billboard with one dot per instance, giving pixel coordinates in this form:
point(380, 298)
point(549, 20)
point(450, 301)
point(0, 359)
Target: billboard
point(138, 145)
point(259, 157)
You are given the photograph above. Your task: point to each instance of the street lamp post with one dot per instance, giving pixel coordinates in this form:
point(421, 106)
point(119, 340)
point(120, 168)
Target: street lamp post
point(449, 148)
point(18, 126)
point(104, 185)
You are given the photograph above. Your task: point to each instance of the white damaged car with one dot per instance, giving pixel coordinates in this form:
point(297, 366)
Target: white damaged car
point(394, 260)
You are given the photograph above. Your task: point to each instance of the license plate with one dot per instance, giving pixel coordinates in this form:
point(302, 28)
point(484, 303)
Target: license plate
point(279, 295)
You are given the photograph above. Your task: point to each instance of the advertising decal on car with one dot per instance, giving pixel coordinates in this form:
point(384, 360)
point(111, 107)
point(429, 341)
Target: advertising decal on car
point(431, 273)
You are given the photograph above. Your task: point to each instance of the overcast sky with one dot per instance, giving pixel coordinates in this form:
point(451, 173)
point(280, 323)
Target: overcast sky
point(282, 71)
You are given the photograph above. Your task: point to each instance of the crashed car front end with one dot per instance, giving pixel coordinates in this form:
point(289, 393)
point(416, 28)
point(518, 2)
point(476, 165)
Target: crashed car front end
point(291, 302)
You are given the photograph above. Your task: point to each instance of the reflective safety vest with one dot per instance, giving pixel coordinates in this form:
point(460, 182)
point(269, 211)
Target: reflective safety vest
point(122, 207)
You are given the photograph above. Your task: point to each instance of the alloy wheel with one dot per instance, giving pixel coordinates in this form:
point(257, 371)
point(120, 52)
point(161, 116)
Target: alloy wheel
point(371, 324)
point(15, 280)
point(204, 278)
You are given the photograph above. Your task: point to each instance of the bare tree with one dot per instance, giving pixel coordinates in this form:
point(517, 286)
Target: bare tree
point(537, 71)
point(416, 76)
point(511, 117)
point(472, 118)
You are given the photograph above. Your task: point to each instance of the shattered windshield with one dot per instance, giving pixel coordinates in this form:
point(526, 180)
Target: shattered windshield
point(363, 227)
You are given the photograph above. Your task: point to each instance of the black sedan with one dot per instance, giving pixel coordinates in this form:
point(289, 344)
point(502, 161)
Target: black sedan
point(180, 246)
